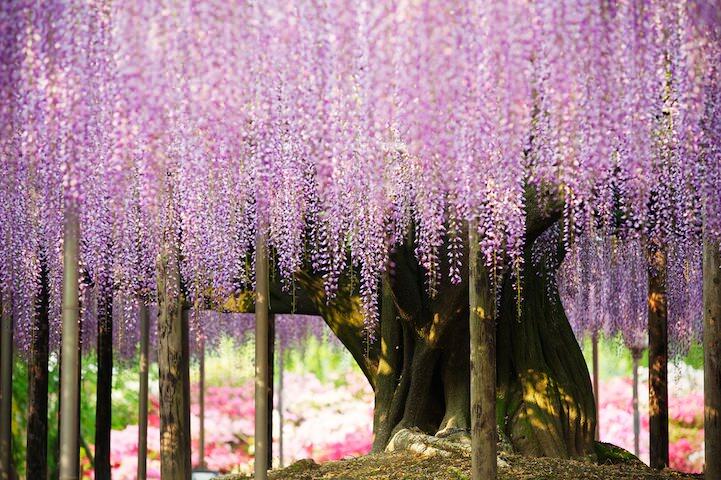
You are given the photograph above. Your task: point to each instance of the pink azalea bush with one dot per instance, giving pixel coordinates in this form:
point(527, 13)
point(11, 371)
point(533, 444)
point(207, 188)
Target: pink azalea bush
point(685, 416)
point(332, 419)
point(326, 420)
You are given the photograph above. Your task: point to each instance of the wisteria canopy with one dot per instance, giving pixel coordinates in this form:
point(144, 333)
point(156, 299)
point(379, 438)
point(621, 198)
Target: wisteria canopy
point(336, 127)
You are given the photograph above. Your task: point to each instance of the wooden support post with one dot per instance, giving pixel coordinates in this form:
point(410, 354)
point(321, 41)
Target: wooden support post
point(36, 465)
point(596, 392)
point(712, 358)
point(271, 385)
point(636, 357)
point(201, 405)
point(483, 365)
point(143, 400)
point(261, 359)
point(6, 386)
point(658, 365)
point(103, 404)
point(79, 368)
point(281, 366)
point(185, 383)
point(70, 352)
point(175, 454)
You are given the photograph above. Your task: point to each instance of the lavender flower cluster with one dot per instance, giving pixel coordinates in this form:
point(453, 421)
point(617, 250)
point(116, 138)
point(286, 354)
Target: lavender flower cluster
point(335, 126)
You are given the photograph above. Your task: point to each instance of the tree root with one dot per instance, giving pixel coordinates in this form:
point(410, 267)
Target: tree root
point(457, 443)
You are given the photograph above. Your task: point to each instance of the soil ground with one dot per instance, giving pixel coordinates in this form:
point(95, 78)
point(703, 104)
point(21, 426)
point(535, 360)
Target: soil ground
point(405, 465)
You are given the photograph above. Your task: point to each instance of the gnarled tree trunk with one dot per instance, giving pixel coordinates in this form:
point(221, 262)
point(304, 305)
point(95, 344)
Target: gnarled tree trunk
point(545, 401)
point(419, 365)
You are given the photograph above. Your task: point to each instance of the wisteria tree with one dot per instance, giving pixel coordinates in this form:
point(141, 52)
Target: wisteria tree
point(387, 165)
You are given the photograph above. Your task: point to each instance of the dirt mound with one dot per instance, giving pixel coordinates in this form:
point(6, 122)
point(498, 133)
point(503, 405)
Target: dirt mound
point(406, 465)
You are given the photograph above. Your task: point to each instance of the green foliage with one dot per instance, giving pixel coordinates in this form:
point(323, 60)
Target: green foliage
point(20, 401)
point(126, 392)
point(232, 364)
point(612, 348)
point(229, 364)
point(694, 358)
point(319, 358)
point(124, 407)
point(621, 365)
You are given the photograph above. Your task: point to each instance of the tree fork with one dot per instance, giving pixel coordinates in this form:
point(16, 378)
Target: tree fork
point(545, 403)
point(658, 364)
point(482, 327)
point(712, 358)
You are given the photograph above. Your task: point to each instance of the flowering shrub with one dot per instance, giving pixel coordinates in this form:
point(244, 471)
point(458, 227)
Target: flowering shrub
point(332, 419)
point(323, 421)
point(685, 416)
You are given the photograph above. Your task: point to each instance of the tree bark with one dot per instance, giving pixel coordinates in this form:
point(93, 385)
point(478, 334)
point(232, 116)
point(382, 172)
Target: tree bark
point(70, 354)
point(658, 365)
point(712, 358)
point(143, 400)
point(419, 368)
point(482, 327)
point(103, 405)
point(636, 356)
point(261, 360)
point(596, 392)
point(175, 461)
point(546, 399)
point(385, 418)
point(37, 437)
point(6, 386)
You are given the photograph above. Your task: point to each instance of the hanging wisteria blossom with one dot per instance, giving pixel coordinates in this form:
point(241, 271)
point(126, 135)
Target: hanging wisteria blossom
point(336, 127)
